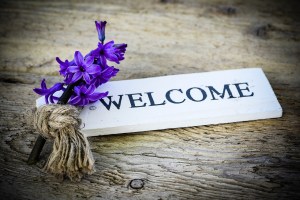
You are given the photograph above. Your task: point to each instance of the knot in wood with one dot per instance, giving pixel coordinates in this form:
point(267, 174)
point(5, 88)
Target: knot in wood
point(227, 10)
point(263, 30)
point(136, 184)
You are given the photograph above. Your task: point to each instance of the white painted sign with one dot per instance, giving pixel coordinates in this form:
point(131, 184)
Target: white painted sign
point(180, 101)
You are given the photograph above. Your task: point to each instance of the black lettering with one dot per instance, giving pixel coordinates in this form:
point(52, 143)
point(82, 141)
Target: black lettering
point(168, 97)
point(240, 90)
point(188, 94)
point(152, 103)
point(132, 100)
point(226, 88)
point(108, 105)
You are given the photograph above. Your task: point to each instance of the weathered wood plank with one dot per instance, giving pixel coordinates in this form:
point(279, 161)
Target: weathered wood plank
point(257, 159)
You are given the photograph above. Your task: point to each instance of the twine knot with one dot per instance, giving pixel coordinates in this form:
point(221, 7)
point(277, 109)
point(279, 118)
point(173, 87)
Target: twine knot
point(51, 119)
point(71, 155)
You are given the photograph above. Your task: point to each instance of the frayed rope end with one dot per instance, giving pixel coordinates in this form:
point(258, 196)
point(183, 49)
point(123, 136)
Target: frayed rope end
point(71, 155)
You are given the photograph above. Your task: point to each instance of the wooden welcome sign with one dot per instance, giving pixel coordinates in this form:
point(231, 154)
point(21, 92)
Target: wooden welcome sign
point(180, 101)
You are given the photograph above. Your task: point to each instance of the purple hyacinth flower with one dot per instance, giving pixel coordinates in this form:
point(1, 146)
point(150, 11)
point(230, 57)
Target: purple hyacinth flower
point(48, 93)
point(64, 69)
point(104, 76)
point(84, 95)
point(83, 68)
point(63, 66)
point(100, 26)
point(120, 50)
point(109, 51)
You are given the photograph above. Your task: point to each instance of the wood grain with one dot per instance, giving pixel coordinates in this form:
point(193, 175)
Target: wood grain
point(249, 160)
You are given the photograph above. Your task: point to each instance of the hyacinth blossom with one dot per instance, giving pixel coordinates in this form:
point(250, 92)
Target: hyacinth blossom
point(48, 93)
point(109, 51)
point(86, 95)
point(86, 73)
point(100, 26)
point(83, 68)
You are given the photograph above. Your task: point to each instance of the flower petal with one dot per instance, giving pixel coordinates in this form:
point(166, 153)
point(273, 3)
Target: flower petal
point(73, 69)
point(76, 77)
point(122, 47)
point(100, 45)
point(100, 26)
point(59, 61)
point(102, 60)
point(97, 96)
point(77, 90)
point(75, 100)
point(68, 79)
point(40, 91)
point(55, 98)
point(90, 90)
point(115, 71)
point(109, 44)
point(56, 87)
point(111, 56)
point(93, 69)
point(78, 58)
point(46, 99)
point(89, 60)
point(84, 102)
point(72, 62)
point(86, 77)
point(83, 89)
point(51, 99)
point(43, 84)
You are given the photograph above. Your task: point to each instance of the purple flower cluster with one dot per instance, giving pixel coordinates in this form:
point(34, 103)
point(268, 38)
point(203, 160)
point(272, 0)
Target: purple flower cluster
point(87, 72)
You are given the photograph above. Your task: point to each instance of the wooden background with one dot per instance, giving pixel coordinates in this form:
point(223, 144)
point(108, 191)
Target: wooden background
point(258, 159)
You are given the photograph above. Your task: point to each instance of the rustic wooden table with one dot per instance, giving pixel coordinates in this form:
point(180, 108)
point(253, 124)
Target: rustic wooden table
point(258, 159)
